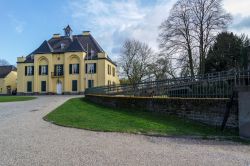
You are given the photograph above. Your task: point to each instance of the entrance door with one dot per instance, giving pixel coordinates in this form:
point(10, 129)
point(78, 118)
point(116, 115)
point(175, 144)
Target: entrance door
point(59, 88)
point(74, 85)
point(43, 86)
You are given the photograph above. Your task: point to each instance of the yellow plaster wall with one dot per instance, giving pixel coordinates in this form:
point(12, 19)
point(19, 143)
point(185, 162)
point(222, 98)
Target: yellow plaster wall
point(100, 78)
point(22, 79)
point(110, 77)
point(9, 80)
point(2, 86)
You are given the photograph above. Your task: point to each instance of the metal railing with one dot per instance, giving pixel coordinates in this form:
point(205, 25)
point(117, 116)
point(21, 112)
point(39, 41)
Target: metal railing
point(57, 74)
point(213, 85)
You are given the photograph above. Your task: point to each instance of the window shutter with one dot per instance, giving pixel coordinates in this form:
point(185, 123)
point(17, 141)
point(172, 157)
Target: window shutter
point(40, 70)
point(62, 70)
point(54, 69)
point(25, 70)
point(32, 70)
point(86, 68)
point(47, 69)
point(78, 68)
point(94, 67)
point(70, 68)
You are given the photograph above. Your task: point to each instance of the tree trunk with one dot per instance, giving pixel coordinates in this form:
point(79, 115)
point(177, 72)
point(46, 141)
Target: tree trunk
point(201, 49)
point(190, 58)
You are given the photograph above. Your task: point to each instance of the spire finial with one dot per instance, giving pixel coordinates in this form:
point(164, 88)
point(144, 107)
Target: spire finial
point(68, 31)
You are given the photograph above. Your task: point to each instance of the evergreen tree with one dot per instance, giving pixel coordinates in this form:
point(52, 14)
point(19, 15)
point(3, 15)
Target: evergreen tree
point(228, 52)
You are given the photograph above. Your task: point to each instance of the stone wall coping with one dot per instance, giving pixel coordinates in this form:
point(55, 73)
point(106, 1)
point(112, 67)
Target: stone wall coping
point(161, 98)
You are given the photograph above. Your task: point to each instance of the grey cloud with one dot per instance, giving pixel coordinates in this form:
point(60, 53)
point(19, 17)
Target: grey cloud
point(242, 24)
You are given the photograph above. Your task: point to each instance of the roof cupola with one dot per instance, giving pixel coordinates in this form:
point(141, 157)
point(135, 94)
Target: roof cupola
point(68, 31)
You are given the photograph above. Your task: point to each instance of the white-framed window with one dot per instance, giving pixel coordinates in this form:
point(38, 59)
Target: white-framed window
point(74, 68)
point(91, 68)
point(29, 70)
point(43, 70)
point(58, 70)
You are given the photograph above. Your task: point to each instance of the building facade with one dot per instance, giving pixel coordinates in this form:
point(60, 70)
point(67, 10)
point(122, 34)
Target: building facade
point(65, 65)
point(8, 79)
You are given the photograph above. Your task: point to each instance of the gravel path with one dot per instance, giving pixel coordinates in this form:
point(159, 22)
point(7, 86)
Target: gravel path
point(25, 139)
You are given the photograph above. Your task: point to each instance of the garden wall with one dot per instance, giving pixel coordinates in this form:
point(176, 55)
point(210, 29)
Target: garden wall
point(208, 111)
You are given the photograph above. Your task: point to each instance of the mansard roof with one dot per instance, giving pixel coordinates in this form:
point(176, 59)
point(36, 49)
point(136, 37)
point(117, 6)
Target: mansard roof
point(74, 43)
point(75, 46)
point(64, 44)
point(44, 48)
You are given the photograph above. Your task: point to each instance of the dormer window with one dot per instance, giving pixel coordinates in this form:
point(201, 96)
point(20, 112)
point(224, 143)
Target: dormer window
point(63, 46)
point(92, 53)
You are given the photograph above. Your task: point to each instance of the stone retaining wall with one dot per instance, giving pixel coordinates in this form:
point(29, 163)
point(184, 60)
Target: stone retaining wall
point(208, 111)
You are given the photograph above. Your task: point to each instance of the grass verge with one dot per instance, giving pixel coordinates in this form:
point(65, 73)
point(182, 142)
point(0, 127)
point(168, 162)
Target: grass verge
point(80, 113)
point(15, 98)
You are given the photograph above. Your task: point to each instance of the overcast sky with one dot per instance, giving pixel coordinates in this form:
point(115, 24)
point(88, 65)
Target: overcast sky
point(26, 24)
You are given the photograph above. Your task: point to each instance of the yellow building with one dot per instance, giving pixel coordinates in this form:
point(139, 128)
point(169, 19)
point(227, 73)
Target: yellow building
point(65, 65)
point(8, 79)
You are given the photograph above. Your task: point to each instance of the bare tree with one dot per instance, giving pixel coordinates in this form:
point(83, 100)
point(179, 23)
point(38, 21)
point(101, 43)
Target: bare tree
point(162, 69)
point(190, 30)
point(175, 36)
point(3, 62)
point(209, 18)
point(134, 60)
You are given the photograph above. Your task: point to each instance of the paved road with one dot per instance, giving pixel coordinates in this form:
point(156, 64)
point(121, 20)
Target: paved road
point(25, 139)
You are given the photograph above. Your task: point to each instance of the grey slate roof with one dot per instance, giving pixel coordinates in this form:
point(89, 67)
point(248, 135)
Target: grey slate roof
point(5, 70)
point(75, 46)
point(44, 48)
point(76, 43)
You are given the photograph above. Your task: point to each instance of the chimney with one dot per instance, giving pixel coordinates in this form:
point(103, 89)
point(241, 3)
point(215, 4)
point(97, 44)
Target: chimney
point(57, 35)
point(86, 33)
point(21, 59)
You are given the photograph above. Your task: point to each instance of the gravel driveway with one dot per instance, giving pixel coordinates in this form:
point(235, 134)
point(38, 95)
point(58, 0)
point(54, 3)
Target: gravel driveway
point(25, 139)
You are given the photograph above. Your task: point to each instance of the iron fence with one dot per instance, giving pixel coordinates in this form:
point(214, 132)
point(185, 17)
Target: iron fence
point(213, 85)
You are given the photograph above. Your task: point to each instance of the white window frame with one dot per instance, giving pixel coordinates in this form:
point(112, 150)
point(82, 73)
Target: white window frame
point(58, 69)
point(43, 69)
point(29, 70)
point(91, 68)
point(74, 69)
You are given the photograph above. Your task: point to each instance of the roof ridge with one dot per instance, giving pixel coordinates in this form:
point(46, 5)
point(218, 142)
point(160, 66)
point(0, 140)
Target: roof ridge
point(45, 47)
point(95, 42)
point(80, 43)
point(51, 49)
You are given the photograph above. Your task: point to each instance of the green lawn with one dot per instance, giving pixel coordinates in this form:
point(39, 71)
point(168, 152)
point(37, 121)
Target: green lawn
point(15, 98)
point(80, 113)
